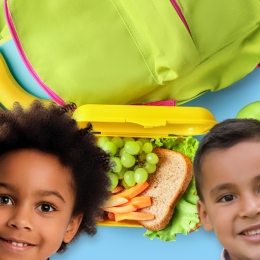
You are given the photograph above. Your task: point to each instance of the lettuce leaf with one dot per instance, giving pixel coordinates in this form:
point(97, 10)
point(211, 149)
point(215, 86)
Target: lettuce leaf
point(185, 217)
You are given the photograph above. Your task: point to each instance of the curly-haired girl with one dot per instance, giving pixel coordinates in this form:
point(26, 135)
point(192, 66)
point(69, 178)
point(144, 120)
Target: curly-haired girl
point(53, 181)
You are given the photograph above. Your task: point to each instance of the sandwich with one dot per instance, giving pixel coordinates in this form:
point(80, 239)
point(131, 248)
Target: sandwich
point(166, 186)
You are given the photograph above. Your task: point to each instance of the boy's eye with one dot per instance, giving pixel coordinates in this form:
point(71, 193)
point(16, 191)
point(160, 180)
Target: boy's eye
point(227, 198)
point(46, 208)
point(5, 200)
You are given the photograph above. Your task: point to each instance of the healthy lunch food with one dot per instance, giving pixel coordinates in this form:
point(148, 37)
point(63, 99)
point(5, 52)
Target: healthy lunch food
point(152, 184)
point(166, 186)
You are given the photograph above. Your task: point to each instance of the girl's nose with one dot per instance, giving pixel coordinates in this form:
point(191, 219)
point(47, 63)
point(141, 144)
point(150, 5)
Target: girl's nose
point(20, 219)
point(250, 207)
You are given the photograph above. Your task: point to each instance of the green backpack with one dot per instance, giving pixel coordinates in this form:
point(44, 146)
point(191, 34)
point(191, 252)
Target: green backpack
point(135, 51)
point(4, 32)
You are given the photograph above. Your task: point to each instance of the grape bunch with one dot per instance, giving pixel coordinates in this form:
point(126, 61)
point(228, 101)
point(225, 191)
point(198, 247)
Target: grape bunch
point(131, 160)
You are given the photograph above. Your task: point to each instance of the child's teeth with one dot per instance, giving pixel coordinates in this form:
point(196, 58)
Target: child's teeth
point(252, 232)
point(18, 244)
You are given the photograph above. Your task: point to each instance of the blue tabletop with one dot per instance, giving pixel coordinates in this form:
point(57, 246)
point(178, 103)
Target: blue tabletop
point(129, 243)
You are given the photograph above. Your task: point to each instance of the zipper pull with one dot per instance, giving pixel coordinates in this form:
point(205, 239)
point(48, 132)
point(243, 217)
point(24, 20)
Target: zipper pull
point(69, 108)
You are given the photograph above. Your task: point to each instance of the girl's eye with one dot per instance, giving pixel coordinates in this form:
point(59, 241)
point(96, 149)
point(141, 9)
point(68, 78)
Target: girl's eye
point(5, 200)
point(227, 198)
point(46, 208)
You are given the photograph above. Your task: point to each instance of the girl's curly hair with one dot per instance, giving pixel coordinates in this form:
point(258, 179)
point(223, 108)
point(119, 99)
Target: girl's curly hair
point(51, 130)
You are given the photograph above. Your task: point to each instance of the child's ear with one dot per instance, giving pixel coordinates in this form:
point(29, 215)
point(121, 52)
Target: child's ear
point(204, 217)
point(72, 228)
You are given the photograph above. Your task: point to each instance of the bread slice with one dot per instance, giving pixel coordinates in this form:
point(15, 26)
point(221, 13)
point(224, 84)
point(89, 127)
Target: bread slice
point(167, 185)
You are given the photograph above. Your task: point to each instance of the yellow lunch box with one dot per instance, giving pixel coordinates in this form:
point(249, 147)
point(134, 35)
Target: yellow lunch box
point(143, 121)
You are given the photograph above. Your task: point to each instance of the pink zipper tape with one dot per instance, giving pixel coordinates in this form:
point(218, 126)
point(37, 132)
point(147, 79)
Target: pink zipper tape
point(180, 13)
point(170, 102)
point(51, 93)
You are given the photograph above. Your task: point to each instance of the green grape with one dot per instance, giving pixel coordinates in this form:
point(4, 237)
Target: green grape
point(147, 147)
point(144, 140)
point(150, 168)
point(121, 173)
point(122, 151)
point(132, 147)
point(129, 178)
point(116, 164)
point(126, 139)
point(152, 158)
point(137, 166)
point(110, 148)
point(125, 184)
point(141, 146)
point(113, 180)
point(140, 175)
point(127, 160)
point(102, 140)
point(117, 141)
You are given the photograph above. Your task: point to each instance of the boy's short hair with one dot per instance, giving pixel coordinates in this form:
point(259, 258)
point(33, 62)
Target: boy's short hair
point(224, 135)
point(50, 130)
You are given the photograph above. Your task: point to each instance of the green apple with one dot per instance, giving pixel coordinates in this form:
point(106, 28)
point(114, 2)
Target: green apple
point(252, 110)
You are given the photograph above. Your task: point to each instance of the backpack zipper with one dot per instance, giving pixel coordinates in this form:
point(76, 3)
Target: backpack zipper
point(180, 13)
point(50, 92)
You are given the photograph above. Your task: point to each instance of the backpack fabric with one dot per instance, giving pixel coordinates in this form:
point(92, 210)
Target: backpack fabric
point(124, 52)
point(4, 31)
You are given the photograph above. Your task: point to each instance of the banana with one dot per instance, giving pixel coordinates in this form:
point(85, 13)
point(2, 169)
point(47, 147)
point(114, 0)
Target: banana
point(11, 91)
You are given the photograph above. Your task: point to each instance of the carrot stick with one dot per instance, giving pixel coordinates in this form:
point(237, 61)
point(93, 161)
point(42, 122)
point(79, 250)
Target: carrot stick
point(139, 202)
point(117, 189)
point(111, 216)
point(115, 200)
point(133, 216)
point(128, 208)
point(134, 191)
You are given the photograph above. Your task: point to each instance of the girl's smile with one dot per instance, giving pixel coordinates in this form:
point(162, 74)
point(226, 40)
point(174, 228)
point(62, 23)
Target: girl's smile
point(16, 245)
point(36, 204)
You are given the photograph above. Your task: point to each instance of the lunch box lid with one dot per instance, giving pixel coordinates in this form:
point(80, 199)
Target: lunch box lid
point(144, 121)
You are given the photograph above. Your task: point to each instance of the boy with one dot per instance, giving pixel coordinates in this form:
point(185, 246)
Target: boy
point(53, 181)
point(227, 175)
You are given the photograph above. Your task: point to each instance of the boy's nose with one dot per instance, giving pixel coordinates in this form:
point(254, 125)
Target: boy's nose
point(250, 207)
point(20, 219)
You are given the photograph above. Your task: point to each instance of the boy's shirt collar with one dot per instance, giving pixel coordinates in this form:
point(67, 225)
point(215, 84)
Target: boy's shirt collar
point(224, 255)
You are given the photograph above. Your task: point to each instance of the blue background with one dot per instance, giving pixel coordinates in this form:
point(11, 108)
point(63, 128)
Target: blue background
point(129, 243)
